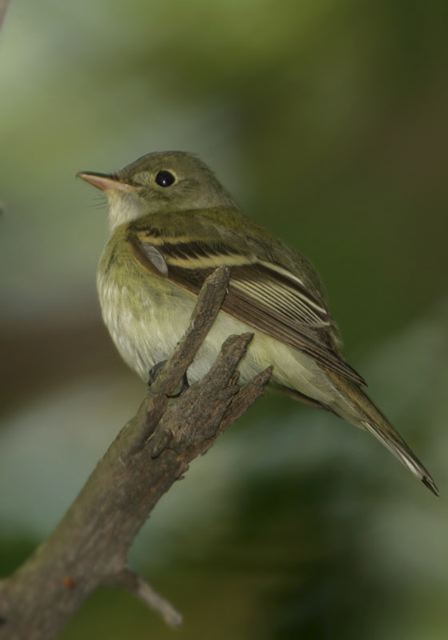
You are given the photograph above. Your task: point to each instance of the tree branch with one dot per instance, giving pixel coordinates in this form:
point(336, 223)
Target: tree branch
point(133, 583)
point(90, 546)
point(3, 7)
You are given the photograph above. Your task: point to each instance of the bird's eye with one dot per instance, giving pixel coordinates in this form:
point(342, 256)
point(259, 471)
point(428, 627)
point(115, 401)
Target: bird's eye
point(165, 179)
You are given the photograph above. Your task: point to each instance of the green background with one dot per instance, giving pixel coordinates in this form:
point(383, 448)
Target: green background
point(328, 122)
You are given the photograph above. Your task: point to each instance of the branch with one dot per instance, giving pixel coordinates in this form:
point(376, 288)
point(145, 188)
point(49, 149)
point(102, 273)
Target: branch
point(3, 7)
point(90, 546)
point(130, 581)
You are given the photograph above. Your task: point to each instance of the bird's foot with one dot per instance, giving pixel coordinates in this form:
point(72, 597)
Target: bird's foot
point(154, 373)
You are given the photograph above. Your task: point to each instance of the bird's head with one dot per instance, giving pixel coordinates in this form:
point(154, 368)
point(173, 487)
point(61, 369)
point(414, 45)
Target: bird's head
point(168, 181)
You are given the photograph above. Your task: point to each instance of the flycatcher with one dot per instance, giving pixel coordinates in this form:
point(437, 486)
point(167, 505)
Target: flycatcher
point(171, 224)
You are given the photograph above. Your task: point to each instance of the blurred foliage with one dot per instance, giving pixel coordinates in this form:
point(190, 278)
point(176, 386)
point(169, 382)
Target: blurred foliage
point(328, 122)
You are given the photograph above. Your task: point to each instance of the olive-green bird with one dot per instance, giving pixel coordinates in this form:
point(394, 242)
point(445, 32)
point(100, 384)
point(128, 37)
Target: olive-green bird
point(171, 224)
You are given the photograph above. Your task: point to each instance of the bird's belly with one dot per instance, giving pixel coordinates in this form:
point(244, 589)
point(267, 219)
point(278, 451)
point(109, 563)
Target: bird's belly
point(139, 324)
point(146, 324)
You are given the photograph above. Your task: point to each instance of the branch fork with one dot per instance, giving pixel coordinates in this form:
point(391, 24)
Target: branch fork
point(90, 546)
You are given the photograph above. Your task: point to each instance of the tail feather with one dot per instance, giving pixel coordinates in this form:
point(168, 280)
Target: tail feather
point(356, 407)
point(398, 447)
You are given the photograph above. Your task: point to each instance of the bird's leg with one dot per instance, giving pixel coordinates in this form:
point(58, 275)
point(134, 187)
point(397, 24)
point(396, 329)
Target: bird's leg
point(154, 372)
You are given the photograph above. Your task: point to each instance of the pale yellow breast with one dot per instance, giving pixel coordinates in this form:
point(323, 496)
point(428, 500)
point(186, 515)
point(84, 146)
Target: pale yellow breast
point(147, 316)
point(136, 310)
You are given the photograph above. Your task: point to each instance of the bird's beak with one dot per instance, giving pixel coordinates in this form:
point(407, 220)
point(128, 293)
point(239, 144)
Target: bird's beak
point(105, 181)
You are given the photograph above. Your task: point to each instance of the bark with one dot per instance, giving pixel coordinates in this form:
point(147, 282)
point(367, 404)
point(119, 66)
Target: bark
point(90, 546)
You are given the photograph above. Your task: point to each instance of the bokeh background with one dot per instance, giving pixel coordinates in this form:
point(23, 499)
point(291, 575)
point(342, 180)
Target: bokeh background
point(328, 121)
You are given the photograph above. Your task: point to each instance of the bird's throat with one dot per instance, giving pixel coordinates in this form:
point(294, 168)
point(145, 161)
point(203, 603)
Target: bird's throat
point(123, 208)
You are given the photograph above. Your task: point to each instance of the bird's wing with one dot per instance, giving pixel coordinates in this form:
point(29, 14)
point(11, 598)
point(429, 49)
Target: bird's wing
point(281, 302)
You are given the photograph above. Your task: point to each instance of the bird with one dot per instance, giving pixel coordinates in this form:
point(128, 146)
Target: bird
point(171, 223)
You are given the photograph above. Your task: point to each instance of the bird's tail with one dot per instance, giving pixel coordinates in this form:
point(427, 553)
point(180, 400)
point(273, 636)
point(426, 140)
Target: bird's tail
point(356, 407)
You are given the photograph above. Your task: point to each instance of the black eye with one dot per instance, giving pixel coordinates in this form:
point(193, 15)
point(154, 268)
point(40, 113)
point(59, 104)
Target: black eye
point(165, 179)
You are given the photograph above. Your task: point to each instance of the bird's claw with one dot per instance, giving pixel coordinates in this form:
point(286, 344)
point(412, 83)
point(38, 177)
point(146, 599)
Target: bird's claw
point(154, 373)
